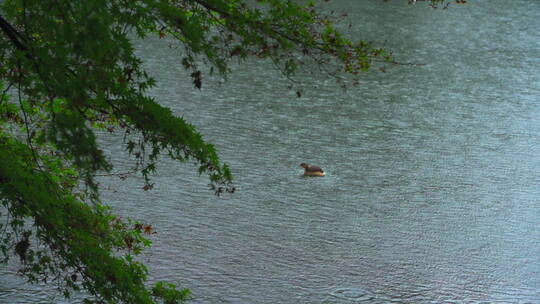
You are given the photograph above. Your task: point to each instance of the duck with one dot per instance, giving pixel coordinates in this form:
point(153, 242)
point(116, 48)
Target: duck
point(312, 170)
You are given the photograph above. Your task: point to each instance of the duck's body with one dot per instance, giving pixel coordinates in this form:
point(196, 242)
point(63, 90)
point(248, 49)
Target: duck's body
point(312, 170)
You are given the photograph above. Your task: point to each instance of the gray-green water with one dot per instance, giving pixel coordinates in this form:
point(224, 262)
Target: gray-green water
point(433, 172)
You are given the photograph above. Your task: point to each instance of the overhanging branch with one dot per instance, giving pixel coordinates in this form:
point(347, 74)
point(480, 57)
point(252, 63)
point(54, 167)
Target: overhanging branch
point(13, 35)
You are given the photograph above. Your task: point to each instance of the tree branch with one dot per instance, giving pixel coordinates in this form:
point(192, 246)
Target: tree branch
point(13, 35)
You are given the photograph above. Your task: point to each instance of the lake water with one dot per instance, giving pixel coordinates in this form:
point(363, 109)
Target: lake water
point(432, 193)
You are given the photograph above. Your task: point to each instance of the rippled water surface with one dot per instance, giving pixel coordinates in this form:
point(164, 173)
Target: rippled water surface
point(433, 171)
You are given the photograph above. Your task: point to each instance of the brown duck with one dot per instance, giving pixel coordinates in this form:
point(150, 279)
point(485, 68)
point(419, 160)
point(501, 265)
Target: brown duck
point(312, 170)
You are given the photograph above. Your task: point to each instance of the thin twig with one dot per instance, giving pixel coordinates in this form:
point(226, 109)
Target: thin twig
point(5, 92)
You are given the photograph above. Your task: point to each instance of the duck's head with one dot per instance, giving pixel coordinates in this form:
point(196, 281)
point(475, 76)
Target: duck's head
point(304, 165)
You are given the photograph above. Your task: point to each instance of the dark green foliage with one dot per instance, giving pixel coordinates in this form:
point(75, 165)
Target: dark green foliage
point(68, 68)
point(81, 238)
